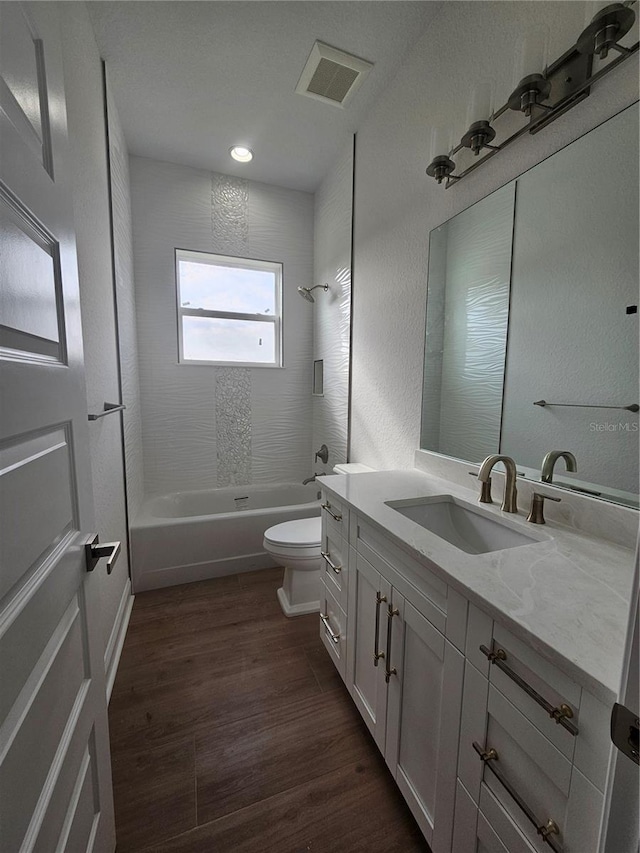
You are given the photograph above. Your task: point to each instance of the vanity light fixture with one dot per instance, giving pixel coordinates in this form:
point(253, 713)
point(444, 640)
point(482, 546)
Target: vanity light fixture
point(479, 133)
point(241, 153)
point(605, 30)
point(541, 92)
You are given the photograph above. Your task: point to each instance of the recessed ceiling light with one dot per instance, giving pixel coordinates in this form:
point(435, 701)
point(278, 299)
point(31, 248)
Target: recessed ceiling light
point(241, 153)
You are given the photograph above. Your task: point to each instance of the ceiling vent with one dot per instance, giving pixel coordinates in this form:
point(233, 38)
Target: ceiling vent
point(331, 75)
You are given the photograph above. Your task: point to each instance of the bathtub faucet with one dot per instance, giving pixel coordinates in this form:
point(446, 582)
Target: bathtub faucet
point(312, 479)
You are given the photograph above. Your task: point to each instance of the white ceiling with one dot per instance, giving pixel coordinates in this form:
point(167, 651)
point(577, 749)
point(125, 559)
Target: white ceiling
point(191, 79)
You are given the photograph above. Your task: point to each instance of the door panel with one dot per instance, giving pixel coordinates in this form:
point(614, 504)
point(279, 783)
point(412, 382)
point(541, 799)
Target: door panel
point(419, 724)
point(23, 84)
point(31, 283)
point(423, 722)
point(36, 472)
point(365, 680)
point(55, 776)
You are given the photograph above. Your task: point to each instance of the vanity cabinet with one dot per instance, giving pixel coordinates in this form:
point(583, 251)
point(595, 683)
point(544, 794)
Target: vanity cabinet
point(494, 748)
point(405, 678)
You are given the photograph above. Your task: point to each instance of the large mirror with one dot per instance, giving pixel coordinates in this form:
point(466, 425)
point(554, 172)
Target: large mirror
point(532, 319)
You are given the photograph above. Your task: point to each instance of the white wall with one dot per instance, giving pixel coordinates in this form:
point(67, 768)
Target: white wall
point(85, 111)
point(332, 310)
point(396, 204)
point(206, 427)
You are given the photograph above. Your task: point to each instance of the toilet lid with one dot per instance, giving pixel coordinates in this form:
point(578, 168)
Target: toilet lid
point(303, 531)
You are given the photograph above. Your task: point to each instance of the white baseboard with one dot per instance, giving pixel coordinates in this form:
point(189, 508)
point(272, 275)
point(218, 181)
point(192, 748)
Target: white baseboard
point(116, 638)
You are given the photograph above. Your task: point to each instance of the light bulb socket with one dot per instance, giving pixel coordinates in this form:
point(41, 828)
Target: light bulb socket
point(608, 26)
point(479, 135)
point(529, 92)
point(440, 167)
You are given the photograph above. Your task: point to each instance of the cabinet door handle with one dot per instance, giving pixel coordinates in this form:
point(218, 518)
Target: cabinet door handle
point(562, 714)
point(327, 506)
point(391, 612)
point(325, 556)
point(545, 830)
point(377, 654)
point(335, 638)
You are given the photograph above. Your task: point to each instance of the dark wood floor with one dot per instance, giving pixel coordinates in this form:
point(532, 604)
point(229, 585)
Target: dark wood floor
point(231, 732)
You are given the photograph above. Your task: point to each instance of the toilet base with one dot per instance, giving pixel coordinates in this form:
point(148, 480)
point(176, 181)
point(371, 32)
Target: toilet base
point(300, 592)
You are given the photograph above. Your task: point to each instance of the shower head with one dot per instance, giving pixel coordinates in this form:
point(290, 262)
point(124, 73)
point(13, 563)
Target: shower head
point(305, 292)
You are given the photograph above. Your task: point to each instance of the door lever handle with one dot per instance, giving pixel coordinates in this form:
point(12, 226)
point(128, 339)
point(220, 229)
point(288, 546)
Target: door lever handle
point(94, 552)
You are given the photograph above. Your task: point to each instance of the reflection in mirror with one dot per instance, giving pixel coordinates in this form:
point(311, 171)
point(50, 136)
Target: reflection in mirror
point(571, 312)
point(468, 311)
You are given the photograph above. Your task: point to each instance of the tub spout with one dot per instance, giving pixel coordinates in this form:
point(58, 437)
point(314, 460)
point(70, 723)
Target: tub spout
point(312, 479)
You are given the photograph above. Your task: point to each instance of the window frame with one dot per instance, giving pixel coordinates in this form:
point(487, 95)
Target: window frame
point(275, 319)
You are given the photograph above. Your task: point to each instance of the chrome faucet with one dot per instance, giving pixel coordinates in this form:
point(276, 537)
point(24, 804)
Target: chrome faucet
point(312, 479)
point(510, 498)
point(550, 460)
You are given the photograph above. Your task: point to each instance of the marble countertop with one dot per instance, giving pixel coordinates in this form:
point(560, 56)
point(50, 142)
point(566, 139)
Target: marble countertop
point(567, 596)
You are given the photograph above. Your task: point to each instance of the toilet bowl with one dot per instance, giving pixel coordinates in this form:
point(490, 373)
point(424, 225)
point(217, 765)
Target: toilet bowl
point(296, 546)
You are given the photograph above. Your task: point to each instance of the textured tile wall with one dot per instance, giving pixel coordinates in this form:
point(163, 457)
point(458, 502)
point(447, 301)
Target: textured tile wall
point(205, 427)
point(332, 310)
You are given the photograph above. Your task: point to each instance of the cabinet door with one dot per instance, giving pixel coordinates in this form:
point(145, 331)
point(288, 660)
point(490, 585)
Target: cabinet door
point(423, 721)
point(369, 595)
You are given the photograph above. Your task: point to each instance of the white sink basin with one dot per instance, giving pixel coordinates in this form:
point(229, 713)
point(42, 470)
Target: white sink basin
point(463, 525)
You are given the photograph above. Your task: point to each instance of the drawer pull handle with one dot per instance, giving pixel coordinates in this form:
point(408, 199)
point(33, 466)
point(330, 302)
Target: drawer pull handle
point(562, 714)
point(335, 638)
point(376, 653)
point(325, 556)
point(545, 830)
point(333, 515)
point(392, 611)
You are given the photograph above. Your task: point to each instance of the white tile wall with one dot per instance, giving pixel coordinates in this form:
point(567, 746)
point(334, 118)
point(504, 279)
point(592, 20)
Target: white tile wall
point(185, 439)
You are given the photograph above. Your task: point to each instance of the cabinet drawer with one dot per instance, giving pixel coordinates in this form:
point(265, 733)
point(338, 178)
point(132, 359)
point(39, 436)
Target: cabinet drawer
point(547, 680)
point(496, 827)
point(335, 515)
point(333, 629)
point(525, 769)
point(530, 682)
point(475, 833)
point(335, 565)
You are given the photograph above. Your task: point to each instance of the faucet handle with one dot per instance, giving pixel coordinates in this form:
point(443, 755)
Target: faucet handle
point(536, 513)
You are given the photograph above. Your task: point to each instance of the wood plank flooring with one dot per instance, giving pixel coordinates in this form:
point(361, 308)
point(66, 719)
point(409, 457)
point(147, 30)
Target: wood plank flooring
point(231, 732)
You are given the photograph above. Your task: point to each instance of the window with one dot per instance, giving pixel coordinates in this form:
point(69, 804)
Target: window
point(229, 310)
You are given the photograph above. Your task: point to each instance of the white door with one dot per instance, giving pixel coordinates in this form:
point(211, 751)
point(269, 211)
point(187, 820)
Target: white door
point(369, 596)
point(423, 716)
point(55, 776)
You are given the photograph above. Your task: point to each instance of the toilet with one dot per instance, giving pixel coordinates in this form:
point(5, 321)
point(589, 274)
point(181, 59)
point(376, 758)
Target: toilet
point(296, 545)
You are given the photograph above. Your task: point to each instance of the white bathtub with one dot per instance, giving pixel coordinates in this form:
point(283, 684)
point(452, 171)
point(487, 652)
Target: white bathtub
point(189, 536)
